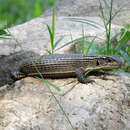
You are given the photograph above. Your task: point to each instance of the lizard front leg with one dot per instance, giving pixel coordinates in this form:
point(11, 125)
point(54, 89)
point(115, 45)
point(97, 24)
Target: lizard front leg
point(80, 73)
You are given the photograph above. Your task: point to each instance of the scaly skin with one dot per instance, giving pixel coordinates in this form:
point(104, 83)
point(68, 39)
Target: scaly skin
point(67, 65)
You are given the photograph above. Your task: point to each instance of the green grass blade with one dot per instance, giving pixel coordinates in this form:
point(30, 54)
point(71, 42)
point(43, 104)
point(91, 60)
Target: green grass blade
point(103, 16)
point(51, 36)
point(83, 41)
point(4, 37)
point(48, 51)
point(49, 83)
point(52, 31)
point(89, 22)
point(90, 45)
point(125, 31)
point(53, 24)
point(105, 25)
point(3, 32)
point(37, 9)
point(115, 37)
point(109, 28)
point(106, 4)
point(76, 40)
point(61, 108)
point(121, 44)
point(124, 39)
point(118, 11)
point(58, 41)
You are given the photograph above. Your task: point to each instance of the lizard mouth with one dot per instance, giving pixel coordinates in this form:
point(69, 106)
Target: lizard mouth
point(108, 67)
point(116, 63)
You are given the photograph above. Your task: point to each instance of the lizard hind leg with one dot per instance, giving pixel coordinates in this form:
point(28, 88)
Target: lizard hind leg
point(80, 73)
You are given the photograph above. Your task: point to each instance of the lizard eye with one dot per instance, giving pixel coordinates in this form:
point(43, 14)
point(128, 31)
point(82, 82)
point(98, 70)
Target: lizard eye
point(109, 60)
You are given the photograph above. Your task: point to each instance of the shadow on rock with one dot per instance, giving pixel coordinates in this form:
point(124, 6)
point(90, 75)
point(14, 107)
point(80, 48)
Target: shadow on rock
point(10, 63)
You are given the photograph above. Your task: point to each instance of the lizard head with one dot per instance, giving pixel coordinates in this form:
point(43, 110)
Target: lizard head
point(107, 62)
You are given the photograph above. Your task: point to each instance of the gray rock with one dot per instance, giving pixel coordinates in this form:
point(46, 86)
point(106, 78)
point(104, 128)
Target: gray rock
point(28, 104)
point(11, 63)
point(90, 8)
point(34, 36)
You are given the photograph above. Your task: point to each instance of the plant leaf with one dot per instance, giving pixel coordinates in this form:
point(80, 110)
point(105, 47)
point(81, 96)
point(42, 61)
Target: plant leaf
point(115, 36)
point(51, 36)
point(49, 83)
point(89, 22)
point(53, 24)
point(106, 4)
point(78, 39)
point(4, 37)
point(58, 41)
point(118, 11)
point(90, 45)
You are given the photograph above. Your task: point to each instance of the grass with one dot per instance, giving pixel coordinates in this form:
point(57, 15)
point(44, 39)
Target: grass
point(107, 24)
point(4, 34)
point(120, 48)
point(51, 31)
point(15, 12)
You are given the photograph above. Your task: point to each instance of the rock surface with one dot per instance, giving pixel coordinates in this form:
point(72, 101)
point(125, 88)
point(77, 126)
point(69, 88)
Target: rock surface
point(90, 8)
point(104, 104)
point(10, 64)
point(34, 36)
point(28, 104)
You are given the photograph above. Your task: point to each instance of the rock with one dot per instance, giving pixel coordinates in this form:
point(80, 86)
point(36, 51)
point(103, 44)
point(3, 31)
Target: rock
point(90, 8)
point(28, 104)
point(11, 63)
point(34, 36)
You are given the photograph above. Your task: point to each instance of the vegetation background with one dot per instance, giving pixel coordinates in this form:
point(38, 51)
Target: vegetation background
point(13, 12)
